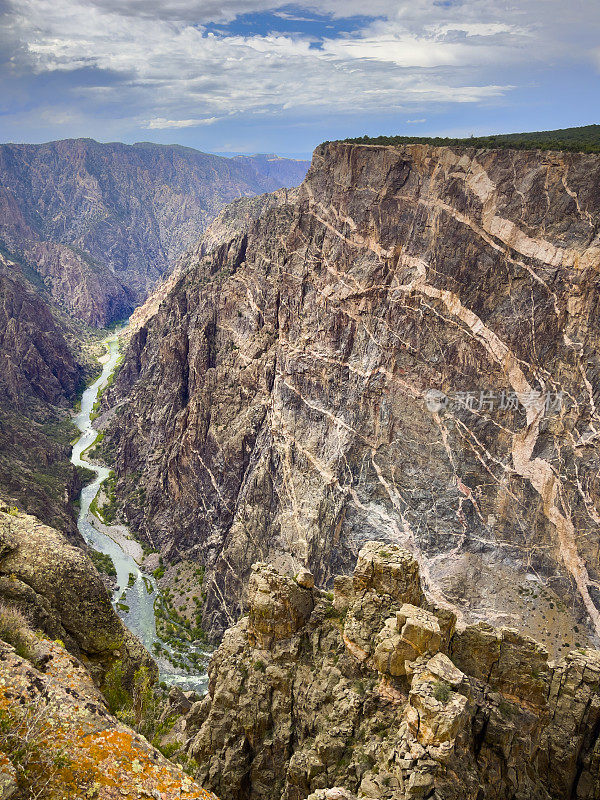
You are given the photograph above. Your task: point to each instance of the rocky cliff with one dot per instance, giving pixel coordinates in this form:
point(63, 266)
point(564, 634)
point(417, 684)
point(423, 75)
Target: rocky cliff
point(65, 657)
point(102, 223)
point(371, 691)
point(58, 740)
point(41, 371)
point(62, 595)
point(405, 350)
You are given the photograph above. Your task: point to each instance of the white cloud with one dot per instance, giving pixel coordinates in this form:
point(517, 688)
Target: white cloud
point(415, 121)
point(159, 66)
point(159, 123)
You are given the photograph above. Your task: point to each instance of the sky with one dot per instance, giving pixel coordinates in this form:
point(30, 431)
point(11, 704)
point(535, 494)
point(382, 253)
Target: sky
point(247, 76)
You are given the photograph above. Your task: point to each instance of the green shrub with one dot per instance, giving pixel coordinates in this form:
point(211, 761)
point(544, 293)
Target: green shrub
point(103, 562)
point(441, 691)
point(117, 696)
point(28, 739)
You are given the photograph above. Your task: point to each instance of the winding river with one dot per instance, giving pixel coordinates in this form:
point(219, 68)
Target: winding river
point(135, 590)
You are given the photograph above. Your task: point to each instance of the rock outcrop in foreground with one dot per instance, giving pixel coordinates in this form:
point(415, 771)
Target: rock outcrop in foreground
point(278, 405)
point(374, 693)
point(62, 646)
point(63, 596)
point(71, 746)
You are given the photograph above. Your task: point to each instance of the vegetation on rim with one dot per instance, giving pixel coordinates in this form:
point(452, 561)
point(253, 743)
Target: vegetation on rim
point(584, 139)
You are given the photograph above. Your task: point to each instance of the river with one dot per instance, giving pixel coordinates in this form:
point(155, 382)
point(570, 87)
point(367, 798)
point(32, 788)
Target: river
point(135, 590)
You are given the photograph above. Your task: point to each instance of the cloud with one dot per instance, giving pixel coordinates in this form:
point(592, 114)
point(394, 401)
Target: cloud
point(156, 65)
point(159, 123)
point(415, 121)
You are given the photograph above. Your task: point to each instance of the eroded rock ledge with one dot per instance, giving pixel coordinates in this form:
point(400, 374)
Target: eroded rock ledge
point(86, 752)
point(372, 692)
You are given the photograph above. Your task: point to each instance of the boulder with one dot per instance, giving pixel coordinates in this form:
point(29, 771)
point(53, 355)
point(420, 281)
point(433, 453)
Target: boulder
point(388, 569)
point(278, 605)
point(305, 578)
point(411, 633)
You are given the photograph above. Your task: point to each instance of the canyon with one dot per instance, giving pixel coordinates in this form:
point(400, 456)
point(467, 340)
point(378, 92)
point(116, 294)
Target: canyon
point(86, 230)
point(275, 402)
point(100, 224)
point(355, 435)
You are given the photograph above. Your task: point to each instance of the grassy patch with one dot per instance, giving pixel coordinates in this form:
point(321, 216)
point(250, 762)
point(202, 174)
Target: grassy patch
point(441, 691)
point(15, 630)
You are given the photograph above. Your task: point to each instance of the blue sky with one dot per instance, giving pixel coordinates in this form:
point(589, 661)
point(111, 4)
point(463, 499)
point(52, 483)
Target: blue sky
point(254, 76)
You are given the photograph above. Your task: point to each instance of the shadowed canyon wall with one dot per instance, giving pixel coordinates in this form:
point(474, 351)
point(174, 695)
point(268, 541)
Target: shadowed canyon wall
point(102, 223)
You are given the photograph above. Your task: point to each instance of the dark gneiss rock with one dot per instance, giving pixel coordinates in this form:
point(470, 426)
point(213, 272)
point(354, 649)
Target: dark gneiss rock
point(276, 406)
point(102, 223)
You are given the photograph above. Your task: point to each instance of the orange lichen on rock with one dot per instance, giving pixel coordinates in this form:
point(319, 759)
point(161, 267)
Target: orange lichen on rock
point(77, 748)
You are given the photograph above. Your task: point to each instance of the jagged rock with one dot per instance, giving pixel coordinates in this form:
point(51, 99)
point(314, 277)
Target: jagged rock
point(411, 633)
point(336, 793)
point(436, 714)
point(59, 588)
point(39, 379)
point(388, 569)
point(177, 704)
point(365, 618)
point(343, 592)
point(443, 669)
point(278, 606)
point(570, 746)
point(508, 660)
point(312, 712)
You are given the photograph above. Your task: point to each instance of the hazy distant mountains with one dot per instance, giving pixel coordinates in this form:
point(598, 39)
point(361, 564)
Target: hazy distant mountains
point(98, 224)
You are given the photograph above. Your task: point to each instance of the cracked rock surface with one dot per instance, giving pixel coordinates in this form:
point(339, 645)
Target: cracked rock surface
point(300, 715)
point(276, 407)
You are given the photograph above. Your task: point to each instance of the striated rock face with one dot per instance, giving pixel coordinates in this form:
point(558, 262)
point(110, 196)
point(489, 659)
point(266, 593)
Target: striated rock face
point(102, 223)
point(39, 380)
point(233, 220)
point(63, 596)
point(70, 745)
point(277, 406)
point(301, 715)
point(36, 364)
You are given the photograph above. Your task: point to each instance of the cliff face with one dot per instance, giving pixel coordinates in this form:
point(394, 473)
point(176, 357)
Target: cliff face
point(373, 692)
point(101, 223)
point(39, 379)
point(277, 406)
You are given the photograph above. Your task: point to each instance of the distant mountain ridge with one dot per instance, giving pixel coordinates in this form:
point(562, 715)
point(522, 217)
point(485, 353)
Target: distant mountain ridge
point(102, 223)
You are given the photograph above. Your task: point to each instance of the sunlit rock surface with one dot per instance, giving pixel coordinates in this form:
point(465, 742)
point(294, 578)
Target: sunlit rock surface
point(277, 407)
point(303, 714)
